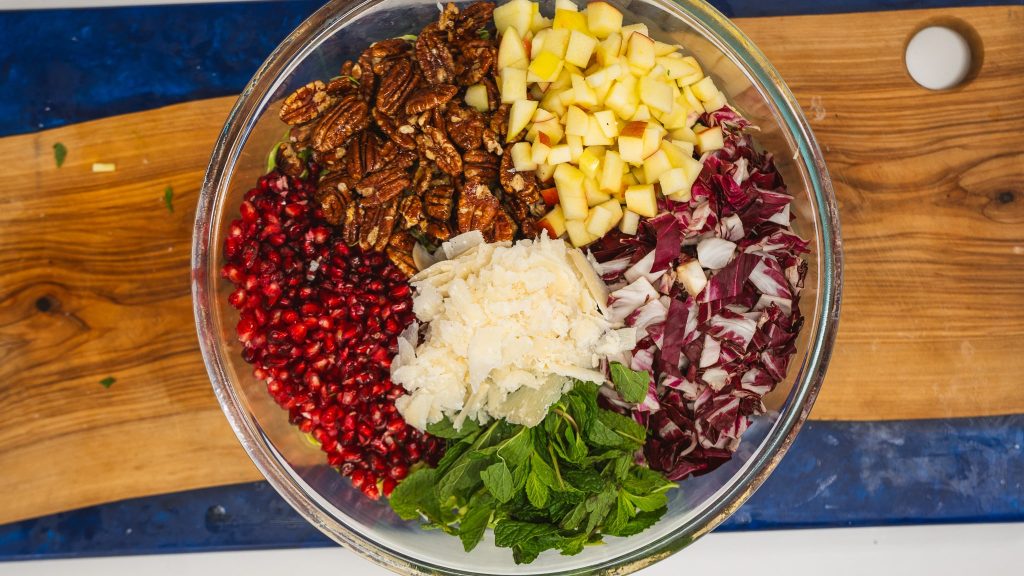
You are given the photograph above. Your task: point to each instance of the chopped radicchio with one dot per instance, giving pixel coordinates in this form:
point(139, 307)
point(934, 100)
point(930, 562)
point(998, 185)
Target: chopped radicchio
point(714, 355)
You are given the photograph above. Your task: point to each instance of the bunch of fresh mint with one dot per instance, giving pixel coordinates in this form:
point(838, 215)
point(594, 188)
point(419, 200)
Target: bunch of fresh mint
point(561, 485)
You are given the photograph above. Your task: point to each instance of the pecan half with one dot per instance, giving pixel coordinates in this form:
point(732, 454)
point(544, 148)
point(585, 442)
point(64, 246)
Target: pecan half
point(499, 120)
point(332, 206)
point(344, 82)
point(351, 223)
point(465, 126)
point(400, 135)
point(389, 48)
point(368, 153)
point(288, 160)
point(349, 116)
point(433, 55)
point(480, 165)
point(477, 207)
point(472, 19)
point(503, 230)
point(438, 231)
point(434, 145)
point(438, 202)
point(306, 104)
point(430, 98)
point(399, 251)
point(522, 186)
point(377, 225)
point(411, 209)
point(396, 82)
point(476, 58)
point(382, 186)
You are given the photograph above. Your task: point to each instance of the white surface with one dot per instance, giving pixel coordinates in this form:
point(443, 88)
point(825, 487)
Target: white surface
point(954, 550)
point(938, 58)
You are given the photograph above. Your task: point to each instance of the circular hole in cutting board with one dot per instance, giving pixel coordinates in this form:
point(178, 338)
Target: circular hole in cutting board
point(940, 57)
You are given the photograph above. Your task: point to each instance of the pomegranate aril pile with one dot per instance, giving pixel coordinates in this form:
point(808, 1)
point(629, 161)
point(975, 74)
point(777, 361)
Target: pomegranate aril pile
point(319, 321)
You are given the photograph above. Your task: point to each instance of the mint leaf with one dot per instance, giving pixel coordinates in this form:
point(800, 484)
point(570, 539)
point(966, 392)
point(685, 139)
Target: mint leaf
point(474, 523)
point(517, 449)
point(628, 429)
point(409, 496)
point(543, 471)
point(169, 198)
point(464, 476)
point(446, 429)
point(508, 533)
point(536, 490)
point(573, 545)
point(498, 480)
point(60, 152)
point(601, 435)
point(647, 502)
point(108, 381)
point(631, 384)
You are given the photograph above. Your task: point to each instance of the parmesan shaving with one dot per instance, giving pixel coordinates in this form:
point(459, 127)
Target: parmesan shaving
point(506, 329)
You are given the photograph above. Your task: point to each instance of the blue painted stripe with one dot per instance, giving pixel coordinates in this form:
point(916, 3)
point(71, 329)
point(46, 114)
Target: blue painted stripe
point(836, 474)
point(65, 66)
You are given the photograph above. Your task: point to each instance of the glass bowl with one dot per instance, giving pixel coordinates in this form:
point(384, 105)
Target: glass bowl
point(298, 471)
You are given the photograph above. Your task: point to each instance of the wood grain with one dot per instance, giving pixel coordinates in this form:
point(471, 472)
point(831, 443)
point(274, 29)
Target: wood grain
point(931, 187)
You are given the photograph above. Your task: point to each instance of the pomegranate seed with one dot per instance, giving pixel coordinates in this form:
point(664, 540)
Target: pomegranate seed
point(319, 322)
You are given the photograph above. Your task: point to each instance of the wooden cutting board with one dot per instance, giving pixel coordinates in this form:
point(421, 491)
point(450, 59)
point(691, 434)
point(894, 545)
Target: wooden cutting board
point(94, 268)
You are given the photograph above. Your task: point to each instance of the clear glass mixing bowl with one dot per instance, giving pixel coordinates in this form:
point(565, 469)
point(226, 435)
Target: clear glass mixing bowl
point(341, 30)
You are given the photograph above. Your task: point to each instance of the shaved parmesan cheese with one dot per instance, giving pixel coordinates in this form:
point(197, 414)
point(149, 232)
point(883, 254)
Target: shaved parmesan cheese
point(507, 326)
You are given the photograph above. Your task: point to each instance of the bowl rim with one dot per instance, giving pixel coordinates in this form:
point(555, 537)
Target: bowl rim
point(706, 21)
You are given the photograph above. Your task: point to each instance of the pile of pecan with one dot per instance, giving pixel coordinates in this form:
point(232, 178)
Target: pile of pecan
point(400, 157)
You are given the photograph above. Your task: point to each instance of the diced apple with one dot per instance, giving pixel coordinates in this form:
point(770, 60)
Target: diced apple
point(607, 52)
point(550, 196)
point(677, 152)
point(603, 19)
point(642, 114)
point(539, 152)
point(560, 154)
point(654, 166)
point(657, 93)
point(662, 49)
point(675, 184)
point(567, 97)
point(545, 172)
point(522, 157)
point(519, 116)
point(601, 221)
point(715, 103)
point(555, 41)
point(583, 94)
point(552, 129)
point(692, 102)
point(605, 75)
point(511, 52)
point(622, 99)
point(545, 67)
point(652, 138)
point(590, 161)
point(611, 172)
point(684, 134)
point(536, 44)
point(640, 198)
point(595, 136)
point(515, 13)
point(606, 121)
point(539, 22)
point(640, 51)
point(580, 49)
point(553, 222)
point(629, 180)
point(566, 5)
point(576, 122)
point(513, 85)
point(676, 68)
point(628, 31)
point(630, 222)
point(570, 20)
point(692, 277)
point(677, 118)
point(705, 90)
point(710, 140)
point(594, 194)
point(476, 97)
point(569, 181)
point(578, 235)
point(638, 174)
point(631, 143)
point(564, 80)
point(575, 146)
